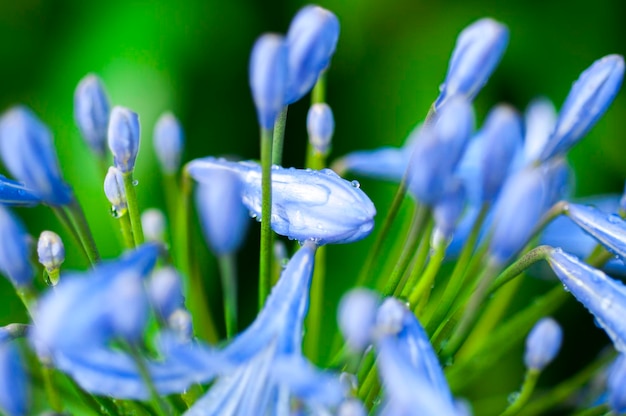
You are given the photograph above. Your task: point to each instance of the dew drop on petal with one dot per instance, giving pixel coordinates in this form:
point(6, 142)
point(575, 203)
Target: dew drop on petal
point(356, 184)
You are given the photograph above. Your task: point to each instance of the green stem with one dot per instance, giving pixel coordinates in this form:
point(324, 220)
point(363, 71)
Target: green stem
point(409, 248)
point(228, 273)
point(278, 137)
point(160, 405)
point(127, 231)
point(532, 375)
point(172, 198)
point(520, 265)
point(78, 219)
point(53, 397)
point(421, 292)
point(265, 264)
point(318, 95)
point(600, 410)
point(66, 222)
point(316, 308)
point(133, 207)
point(410, 279)
point(455, 283)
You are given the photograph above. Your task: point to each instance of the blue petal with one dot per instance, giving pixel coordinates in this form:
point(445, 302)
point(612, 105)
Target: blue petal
point(616, 385)
point(306, 204)
point(608, 229)
point(13, 193)
point(14, 387)
point(14, 249)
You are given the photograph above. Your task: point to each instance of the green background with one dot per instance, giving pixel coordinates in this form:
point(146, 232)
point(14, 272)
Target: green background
point(191, 57)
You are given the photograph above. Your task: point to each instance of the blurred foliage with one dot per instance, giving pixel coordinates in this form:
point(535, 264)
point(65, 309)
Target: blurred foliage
point(191, 57)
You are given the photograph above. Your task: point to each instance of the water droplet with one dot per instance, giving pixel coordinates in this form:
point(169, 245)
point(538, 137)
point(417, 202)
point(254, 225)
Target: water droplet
point(114, 213)
point(135, 182)
point(356, 184)
point(512, 397)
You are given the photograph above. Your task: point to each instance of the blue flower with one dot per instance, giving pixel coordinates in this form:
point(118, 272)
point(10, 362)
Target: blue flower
point(91, 113)
point(223, 216)
point(449, 209)
point(409, 368)
point(28, 153)
point(154, 224)
point(268, 77)
point(586, 102)
point(356, 317)
point(14, 386)
point(306, 204)
point(269, 366)
point(13, 193)
point(50, 250)
point(604, 297)
point(543, 344)
point(168, 142)
point(115, 192)
point(616, 385)
point(311, 41)
point(320, 126)
point(476, 54)
point(166, 292)
point(124, 137)
point(539, 122)
point(15, 246)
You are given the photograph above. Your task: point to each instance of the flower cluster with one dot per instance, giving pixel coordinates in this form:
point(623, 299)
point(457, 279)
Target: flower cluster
point(136, 335)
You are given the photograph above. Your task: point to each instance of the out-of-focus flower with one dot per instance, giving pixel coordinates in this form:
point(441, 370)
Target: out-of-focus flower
point(539, 122)
point(311, 42)
point(356, 317)
point(13, 193)
point(165, 291)
point(604, 297)
point(154, 224)
point(223, 216)
point(14, 383)
point(91, 113)
point(543, 344)
point(321, 126)
point(476, 54)
point(306, 204)
point(268, 77)
point(270, 368)
point(123, 137)
point(586, 102)
point(14, 249)
point(168, 142)
point(28, 153)
point(616, 385)
point(448, 209)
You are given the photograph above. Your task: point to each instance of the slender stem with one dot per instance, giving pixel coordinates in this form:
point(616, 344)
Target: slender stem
point(53, 397)
point(127, 231)
point(455, 283)
point(520, 265)
point(160, 405)
point(409, 248)
point(172, 197)
point(78, 219)
point(421, 292)
point(65, 221)
point(278, 137)
point(133, 207)
point(318, 95)
point(600, 410)
point(265, 266)
point(316, 308)
point(409, 280)
point(228, 273)
point(530, 380)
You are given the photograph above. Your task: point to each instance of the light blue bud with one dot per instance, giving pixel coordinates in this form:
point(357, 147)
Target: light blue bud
point(476, 54)
point(524, 199)
point(91, 113)
point(356, 317)
point(503, 137)
point(539, 122)
point(604, 297)
point(616, 385)
point(181, 323)
point(543, 344)
point(608, 229)
point(168, 142)
point(50, 250)
point(306, 204)
point(123, 136)
point(586, 102)
point(154, 224)
point(13, 193)
point(438, 150)
point(448, 209)
point(321, 126)
point(115, 192)
point(268, 77)
point(165, 291)
point(14, 385)
point(223, 216)
point(14, 249)
point(28, 153)
point(311, 42)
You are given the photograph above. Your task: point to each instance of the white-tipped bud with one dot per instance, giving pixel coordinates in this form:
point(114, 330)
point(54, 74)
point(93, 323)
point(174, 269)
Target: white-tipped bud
point(51, 251)
point(114, 191)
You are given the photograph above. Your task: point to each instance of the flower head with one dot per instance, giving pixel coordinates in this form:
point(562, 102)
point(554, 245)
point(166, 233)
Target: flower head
point(91, 113)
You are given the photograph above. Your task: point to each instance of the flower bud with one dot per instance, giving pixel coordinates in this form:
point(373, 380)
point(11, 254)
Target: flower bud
point(539, 122)
point(321, 126)
point(586, 102)
point(543, 344)
point(356, 317)
point(448, 209)
point(123, 136)
point(28, 153)
point(165, 291)
point(311, 42)
point(115, 192)
point(168, 143)
point(154, 224)
point(14, 249)
point(268, 77)
point(476, 54)
point(223, 217)
point(91, 113)
point(50, 250)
